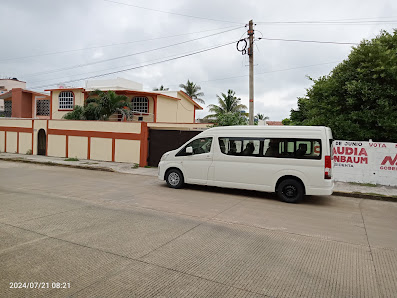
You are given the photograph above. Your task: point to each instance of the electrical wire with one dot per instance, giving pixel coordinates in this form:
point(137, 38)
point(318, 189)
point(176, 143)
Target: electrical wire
point(109, 45)
point(307, 41)
point(141, 66)
point(263, 73)
point(359, 21)
point(124, 56)
point(107, 69)
point(335, 21)
point(173, 13)
point(329, 23)
point(269, 72)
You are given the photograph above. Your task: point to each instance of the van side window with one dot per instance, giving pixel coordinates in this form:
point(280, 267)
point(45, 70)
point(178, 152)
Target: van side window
point(271, 147)
point(199, 146)
point(240, 146)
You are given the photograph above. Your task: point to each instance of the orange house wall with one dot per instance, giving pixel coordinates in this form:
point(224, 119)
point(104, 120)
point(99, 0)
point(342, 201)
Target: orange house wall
point(21, 104)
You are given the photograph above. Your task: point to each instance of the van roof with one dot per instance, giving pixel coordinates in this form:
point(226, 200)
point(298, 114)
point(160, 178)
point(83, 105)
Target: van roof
point(264, 128)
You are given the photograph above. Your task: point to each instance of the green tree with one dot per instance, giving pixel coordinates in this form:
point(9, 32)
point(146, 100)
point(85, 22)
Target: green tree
point(227, 103)
point(162, 88)
point(286, 121)
point(193, 91)
point(76, 114)
point(258, 117)
point(231, 118)
point(100, 106)
point(358, 99)
point(261, 117)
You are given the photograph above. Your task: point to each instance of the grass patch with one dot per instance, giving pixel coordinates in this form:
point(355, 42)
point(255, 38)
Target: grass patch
point(369, 194)
point(135, 166)
point(364, 184)
point(147, 167)
point(71, 159)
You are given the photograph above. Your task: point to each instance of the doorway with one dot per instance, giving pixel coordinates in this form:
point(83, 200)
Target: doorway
point(41, 142)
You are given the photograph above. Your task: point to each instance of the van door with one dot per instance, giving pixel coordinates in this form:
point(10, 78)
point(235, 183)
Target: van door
point(240, 164)
point(195, 166)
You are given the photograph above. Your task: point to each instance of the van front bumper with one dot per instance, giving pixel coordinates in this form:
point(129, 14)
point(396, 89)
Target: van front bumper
point(161, 172)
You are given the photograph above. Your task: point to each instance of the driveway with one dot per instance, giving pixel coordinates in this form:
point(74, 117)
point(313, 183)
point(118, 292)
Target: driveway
point(84, 233)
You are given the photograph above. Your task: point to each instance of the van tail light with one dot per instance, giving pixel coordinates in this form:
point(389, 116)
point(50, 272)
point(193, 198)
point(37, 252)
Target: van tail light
point(328, 167)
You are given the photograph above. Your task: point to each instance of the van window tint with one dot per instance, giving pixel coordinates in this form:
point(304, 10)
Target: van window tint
point(199, 146)
point(240, 146)
point(271, 147)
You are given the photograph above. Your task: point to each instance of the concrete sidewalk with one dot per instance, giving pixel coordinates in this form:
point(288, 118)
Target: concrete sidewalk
point(379, 192)
point(108, 166)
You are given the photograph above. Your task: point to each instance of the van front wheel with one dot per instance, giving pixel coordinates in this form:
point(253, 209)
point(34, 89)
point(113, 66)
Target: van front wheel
point(174, 178)
point(290, 191)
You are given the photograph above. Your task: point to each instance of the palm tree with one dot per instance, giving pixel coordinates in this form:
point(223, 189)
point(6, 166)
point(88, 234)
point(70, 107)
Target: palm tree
point(162, 88)
point(193, 91)
point(226, 104)
point(108, 103)
point(261, 117)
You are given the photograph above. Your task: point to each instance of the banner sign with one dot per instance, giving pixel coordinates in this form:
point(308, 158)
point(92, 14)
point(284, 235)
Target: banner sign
point(365, 162)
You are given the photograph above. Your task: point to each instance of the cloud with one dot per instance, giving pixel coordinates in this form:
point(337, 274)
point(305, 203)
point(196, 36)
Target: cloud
point(42, 26)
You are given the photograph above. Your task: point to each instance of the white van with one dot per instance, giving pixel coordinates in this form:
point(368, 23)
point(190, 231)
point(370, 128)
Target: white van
point(289, 160)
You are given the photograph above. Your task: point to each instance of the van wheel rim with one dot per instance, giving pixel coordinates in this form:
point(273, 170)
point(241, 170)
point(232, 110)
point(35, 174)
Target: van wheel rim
point(290, 191)
point(174, 179)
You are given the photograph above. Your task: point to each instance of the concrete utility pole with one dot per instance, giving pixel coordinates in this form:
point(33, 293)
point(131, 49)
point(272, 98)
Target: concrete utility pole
point(251, 70)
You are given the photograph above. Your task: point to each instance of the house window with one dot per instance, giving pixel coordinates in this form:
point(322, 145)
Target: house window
point(43, 107)
point(66, 100)
point(7, 108)
point(140, 104)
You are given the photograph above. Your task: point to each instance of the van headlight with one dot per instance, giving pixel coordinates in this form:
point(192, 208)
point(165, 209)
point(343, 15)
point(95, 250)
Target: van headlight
point(164, 157)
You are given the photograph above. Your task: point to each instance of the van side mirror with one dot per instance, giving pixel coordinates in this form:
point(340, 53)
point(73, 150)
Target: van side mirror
point(189, 150)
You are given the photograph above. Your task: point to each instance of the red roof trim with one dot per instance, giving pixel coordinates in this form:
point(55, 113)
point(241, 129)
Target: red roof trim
point(65, 89)
point(26, 91)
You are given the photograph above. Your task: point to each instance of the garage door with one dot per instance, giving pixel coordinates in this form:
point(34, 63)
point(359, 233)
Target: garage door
point(161, 141)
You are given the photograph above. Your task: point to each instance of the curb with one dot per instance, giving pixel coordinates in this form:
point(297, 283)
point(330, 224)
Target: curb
point(50, 163)
point(369, 196)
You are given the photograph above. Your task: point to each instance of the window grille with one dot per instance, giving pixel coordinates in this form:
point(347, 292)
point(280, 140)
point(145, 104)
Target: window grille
point(43, 108)
point(66, 100)
point(140, 104)
point(7, 108)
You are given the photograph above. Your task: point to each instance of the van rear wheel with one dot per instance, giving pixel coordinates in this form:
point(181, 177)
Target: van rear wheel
point(290, 191)
point(174, 178)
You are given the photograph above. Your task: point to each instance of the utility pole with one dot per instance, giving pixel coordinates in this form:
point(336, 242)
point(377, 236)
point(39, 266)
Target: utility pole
point(251, 71)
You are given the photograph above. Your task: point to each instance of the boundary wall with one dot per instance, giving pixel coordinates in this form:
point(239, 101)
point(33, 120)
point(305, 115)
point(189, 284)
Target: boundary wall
point(96, 140)
point(93, 140)
point(365, 162)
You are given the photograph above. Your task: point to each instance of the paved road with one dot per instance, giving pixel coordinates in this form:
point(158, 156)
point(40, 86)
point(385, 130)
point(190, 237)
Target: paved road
point(111, 234)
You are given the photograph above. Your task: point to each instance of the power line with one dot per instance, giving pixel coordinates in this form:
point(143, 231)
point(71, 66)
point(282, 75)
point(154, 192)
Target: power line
point(266, 72)
point(108, 69)
point(358, 21)
point(308, 41)
point(174, 13)
point(124, 56)
point(141, 66)
point(327, 23)
point(335, 21)
point(263, 73)
point(110, 45)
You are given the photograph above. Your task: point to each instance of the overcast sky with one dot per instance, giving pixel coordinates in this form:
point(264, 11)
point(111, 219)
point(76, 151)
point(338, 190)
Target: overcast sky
point(47, 43)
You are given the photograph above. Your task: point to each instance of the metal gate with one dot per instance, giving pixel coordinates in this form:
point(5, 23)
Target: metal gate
point(161, 141)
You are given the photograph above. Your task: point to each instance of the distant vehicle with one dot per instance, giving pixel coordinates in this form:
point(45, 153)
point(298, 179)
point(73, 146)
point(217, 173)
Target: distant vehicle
point(292, 161)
